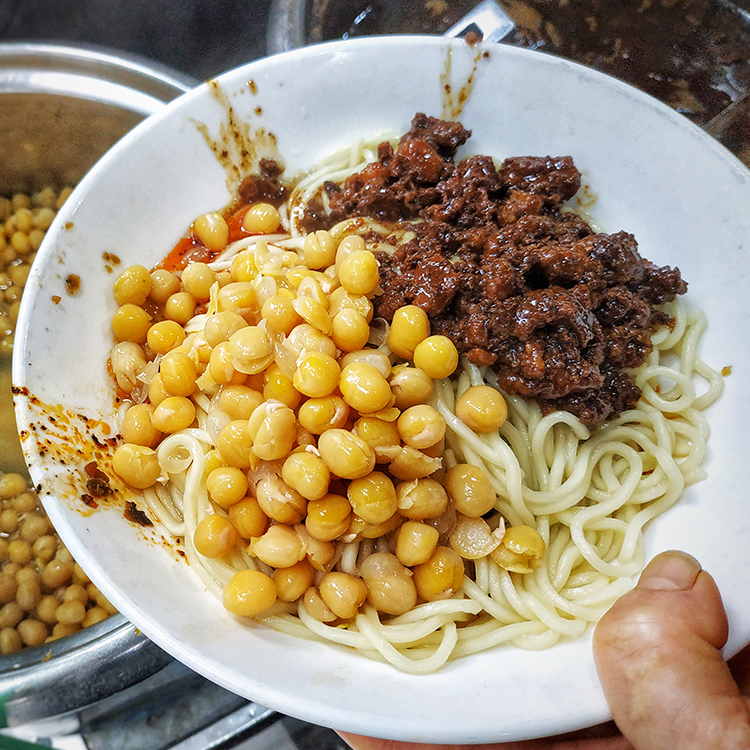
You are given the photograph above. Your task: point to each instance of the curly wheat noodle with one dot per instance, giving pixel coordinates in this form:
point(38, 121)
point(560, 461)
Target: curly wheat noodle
point(589, 494)
point(585, 493)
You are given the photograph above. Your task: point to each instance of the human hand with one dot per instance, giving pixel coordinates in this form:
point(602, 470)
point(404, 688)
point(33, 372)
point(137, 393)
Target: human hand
point(658, 659)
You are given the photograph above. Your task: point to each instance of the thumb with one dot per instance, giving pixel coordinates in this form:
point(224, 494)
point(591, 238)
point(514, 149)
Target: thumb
point(657, 654)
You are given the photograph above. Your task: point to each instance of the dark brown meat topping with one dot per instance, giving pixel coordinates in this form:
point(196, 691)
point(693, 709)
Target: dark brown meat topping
point(558, 311)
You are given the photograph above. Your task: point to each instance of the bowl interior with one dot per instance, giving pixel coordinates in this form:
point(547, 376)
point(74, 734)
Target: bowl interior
point(648, 170)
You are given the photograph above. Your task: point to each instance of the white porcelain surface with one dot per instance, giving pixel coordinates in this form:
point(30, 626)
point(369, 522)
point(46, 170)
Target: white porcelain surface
point(685, 198)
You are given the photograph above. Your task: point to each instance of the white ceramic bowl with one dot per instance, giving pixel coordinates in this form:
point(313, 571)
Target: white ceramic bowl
point(685, 198)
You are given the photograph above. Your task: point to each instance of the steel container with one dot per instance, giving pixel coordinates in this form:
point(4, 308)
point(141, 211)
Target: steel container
point(61, 108)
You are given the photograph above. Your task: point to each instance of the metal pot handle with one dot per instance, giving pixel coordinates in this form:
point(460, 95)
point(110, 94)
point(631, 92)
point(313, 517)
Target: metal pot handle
point(114, 661)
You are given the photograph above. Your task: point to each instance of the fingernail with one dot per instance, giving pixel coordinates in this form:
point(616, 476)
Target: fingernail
point(670, 571)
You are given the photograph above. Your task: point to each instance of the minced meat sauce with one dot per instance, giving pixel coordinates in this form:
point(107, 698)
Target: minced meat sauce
point(559, 311)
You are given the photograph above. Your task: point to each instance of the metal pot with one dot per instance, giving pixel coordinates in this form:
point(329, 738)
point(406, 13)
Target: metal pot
point(61, 108)
point(691, 54)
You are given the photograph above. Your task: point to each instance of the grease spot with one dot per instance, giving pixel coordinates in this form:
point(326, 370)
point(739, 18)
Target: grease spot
point(239, 146)
point(454, 99)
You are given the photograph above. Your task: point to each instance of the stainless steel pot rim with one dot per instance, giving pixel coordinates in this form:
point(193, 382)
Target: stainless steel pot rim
point(89, 72)
point(83, 639)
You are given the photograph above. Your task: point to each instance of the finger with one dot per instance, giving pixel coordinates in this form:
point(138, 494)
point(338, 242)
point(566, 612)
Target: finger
point(657, 654)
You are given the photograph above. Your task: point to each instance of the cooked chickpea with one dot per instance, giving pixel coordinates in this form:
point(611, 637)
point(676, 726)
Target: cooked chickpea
point(410, 386)
point(251, 350)
point(71, 613)
point(340, 299)
point(131, 323)
point(173, 414)
point(292, 582)
point(470, 490)
point(156, 391)
point(132, 286)
point(235, 443)
point(280, 502)
point(380, 435)
point(128, 363)
point(137, 465)
point(389, 584)
point(409, 327)
point(319, 250)
point(278, 387)
point(306, 338)
point(56, 573)
point(19, 551)
point(521, 550)
point(346, 455)
point(415, 542)
point(280, 547)
point(214, 536)
point(11, 484)
point(164, 336)
point(221, 325)
point(359, 272)
point(46, 610)
point(248, 518)
point(212, 230)
point(316, 607)
point(10, 615)
point(237, 296)
point(317, 374)
point(437, 356)
point(180, 307)
point(441, 576)
point(94, 615)
point(198, 278)
point(481, 408)
point(328, 518)
point(272, 428)
point(249, 593)
point(226, 485)
point(342, 593)
point(373, 497)
point(8, 520)
point(314, 313)
point(320, 414)
point(239, 401)
point(8, 588)
point(420, 499)
point(29, 593)
point(61, 630)
point(32, 632)
point(138, 426)
point(280, 315)
point(163, 285)
point(352, 243)
point(364, 388)
point(307, 473)
point(421, 426)
point(45, 548)
point(178, 373)
point(24, 502)
point(76, 591)
point(10, 641)
point(261, 218)
point(221, 366)
point(349, 330)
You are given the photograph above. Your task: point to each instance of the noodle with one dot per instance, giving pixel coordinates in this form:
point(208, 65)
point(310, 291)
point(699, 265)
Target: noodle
point(588, 493)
